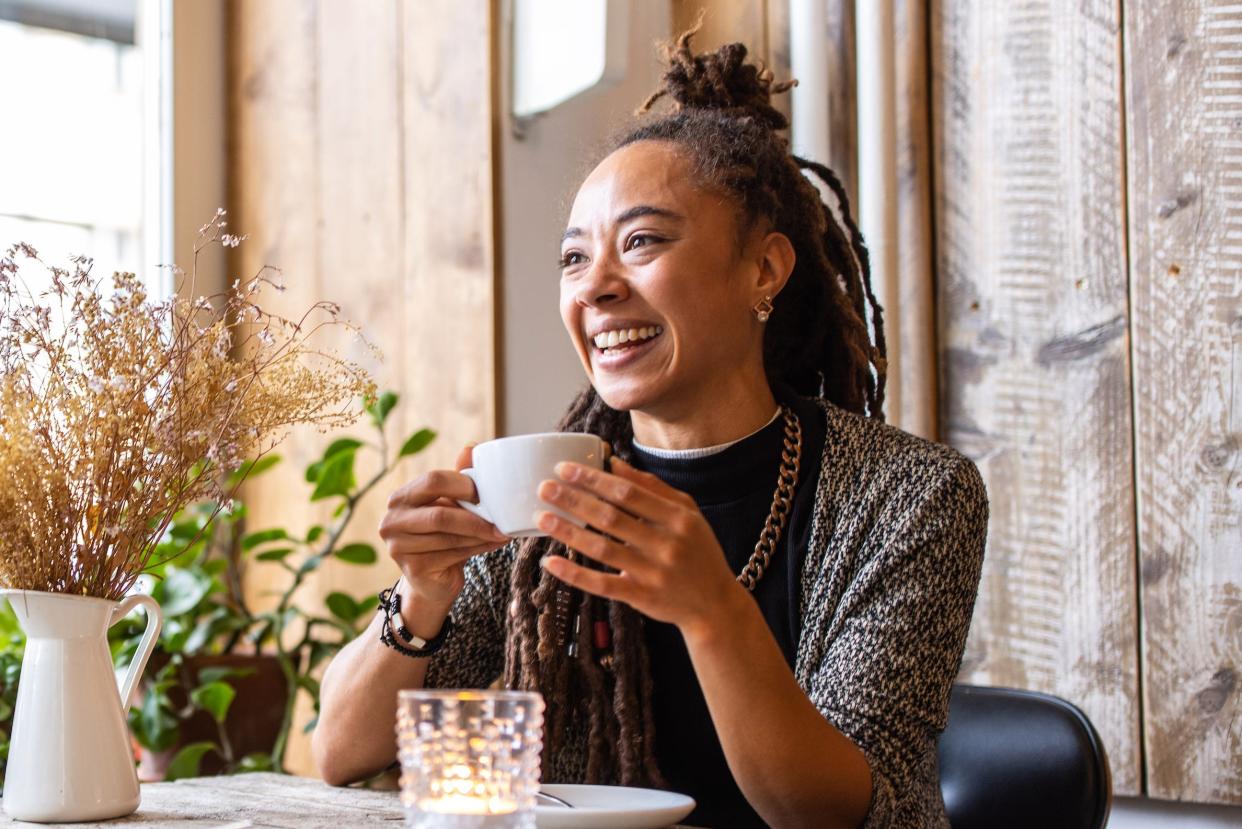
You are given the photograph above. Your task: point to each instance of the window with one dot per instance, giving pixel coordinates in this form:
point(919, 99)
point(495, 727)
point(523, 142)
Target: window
point(71, 148)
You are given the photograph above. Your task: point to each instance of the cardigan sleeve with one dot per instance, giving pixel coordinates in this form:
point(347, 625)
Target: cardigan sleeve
point(898, 635)
point(473, 654)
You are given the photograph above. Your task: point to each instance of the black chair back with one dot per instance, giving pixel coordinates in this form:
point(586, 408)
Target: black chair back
point(1021, 759)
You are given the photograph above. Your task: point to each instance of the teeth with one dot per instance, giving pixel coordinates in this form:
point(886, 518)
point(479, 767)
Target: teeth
point(611, 339)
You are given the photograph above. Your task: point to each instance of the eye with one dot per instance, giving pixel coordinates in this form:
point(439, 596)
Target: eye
point(641, 240)
point(571, 258)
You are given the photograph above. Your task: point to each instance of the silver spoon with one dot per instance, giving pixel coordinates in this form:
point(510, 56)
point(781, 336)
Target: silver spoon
point(555, 800)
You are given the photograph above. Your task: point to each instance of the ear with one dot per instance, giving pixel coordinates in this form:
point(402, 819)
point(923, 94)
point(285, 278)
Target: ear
point(776, 258)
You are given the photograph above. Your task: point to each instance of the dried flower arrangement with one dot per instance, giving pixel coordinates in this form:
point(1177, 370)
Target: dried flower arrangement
point(115, 413)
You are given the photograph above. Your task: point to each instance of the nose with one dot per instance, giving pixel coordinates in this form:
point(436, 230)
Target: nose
point(603, 283)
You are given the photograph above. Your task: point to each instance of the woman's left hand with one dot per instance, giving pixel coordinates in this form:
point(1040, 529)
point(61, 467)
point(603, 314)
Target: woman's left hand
point(671, 567)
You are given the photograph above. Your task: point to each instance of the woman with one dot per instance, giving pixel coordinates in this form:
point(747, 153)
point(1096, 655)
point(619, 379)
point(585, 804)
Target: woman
point(720, 312)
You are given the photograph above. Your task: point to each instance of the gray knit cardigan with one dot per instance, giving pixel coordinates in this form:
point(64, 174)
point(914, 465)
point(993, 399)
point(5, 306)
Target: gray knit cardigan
point(887, 590)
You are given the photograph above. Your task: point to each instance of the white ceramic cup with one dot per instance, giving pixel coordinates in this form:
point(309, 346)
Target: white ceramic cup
point(507, 473)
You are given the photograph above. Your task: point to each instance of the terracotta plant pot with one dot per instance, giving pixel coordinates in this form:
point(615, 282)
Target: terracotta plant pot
point(253, 721)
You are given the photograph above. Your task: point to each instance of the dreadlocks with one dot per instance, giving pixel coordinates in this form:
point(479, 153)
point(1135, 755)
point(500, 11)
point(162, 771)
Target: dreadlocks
point(818, 341)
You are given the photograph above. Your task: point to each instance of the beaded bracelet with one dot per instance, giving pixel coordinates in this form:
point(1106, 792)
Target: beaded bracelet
point(390, 606)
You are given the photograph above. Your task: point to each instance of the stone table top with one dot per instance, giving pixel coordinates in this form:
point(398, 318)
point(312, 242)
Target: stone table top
point(254, 801)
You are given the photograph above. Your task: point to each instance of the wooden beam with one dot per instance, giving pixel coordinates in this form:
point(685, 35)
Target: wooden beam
point(1184, 97)
point(916, 284)
point(362, 165)
point(1033, 332)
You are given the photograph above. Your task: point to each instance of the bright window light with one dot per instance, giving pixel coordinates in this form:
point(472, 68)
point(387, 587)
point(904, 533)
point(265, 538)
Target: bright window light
point(559, 50)
point(71, 147)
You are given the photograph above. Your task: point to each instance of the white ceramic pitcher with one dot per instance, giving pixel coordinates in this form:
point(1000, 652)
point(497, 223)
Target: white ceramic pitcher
point(70, 758)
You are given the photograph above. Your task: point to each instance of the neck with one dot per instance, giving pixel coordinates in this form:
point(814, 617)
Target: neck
point(727, 414)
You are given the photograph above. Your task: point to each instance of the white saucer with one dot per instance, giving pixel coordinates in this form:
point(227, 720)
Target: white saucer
point(611, 807)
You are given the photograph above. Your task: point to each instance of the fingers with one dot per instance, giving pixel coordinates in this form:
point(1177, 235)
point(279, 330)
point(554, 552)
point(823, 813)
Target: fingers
point(590, 544)
point(438, 483)
point(599, 514)
point(626, 488)
point(646, 479)
point(434, 519)
point(465, 458)
point(414, 564)
point(605, 585)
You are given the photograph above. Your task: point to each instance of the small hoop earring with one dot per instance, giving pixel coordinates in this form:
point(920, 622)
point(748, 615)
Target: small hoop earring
point(764, 309)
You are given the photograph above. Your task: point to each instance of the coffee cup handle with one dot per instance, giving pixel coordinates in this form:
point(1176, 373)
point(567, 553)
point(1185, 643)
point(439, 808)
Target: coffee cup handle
point(478, 508)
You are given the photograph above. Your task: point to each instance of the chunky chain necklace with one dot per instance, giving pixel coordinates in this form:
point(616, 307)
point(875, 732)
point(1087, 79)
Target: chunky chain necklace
point(778, 516)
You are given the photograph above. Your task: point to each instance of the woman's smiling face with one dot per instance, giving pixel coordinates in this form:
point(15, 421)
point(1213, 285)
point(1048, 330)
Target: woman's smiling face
point(651, 253)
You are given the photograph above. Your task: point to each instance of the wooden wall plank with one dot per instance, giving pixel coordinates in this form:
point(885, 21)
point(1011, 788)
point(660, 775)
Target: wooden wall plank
point(776, 54)
point(449, 227)
point(916, 287)
point(361, 220)
point(724, 21)
point(1032, 329)
point(843, 97)
point(361, 145)
point(276, 192)
point(1184, 96)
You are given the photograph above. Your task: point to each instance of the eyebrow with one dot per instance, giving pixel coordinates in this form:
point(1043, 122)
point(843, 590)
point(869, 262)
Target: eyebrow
point(627, 215)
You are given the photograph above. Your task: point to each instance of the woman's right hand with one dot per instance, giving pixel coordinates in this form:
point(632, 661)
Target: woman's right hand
point(431, 537)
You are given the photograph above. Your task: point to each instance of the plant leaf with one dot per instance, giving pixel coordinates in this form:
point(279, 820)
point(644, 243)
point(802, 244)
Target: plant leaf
point(363, 606)
point(340, 445)
point(252, 540)
point(357, 554)
point(416, 442)
point(274, 555)
point(311, 685)
point(215, 567)
point(180, 591)
point(312, 535)
point(153, 726)
point(188, 759)
point(251, 468)
point(257, 761)
point(342, 606)
point(336, 477)
point(204, 631)
point(209, 675)
point(380, 408)
point(215, 698)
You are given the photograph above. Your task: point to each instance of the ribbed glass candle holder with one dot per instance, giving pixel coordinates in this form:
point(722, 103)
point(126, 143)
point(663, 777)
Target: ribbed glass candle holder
point(469, 759)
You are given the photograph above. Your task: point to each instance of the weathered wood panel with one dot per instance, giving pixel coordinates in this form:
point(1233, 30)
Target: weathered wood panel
point(777, 47)
point(1184, 95)
point(361, 239)
point(448, 282)
point(843, 96)
point(725, 21)
point(1027, 130)
point(361, 140)
point(916, 288)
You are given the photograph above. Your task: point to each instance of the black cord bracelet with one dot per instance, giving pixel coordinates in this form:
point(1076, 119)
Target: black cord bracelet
point(390, 606)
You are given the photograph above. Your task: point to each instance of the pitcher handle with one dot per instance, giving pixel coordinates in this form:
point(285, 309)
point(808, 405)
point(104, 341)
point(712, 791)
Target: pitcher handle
point(155, 621)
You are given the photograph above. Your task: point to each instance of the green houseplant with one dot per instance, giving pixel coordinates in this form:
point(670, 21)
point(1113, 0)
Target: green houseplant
point(11, 648)
point(216, 648)
point(117, 410)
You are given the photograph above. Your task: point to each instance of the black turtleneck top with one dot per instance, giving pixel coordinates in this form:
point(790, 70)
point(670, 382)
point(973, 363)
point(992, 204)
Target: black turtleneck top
point(869, 595)
point(734, 489)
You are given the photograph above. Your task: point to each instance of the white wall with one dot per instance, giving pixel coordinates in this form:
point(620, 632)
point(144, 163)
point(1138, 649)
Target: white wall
point(540, 172)
point(1137, 813)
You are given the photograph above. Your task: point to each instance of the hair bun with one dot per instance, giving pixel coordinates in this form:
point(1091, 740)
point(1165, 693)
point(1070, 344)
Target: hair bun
point(720, 80)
